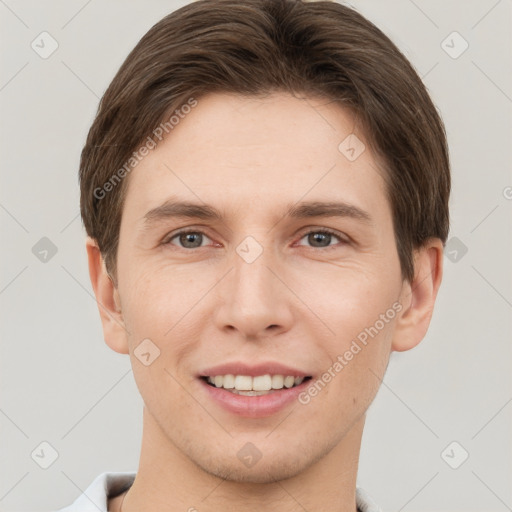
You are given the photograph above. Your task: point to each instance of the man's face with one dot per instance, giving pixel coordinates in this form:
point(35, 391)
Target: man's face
point(257, 288)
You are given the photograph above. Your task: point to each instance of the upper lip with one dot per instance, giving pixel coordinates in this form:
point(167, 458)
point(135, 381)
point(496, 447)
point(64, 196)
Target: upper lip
point(263, 368)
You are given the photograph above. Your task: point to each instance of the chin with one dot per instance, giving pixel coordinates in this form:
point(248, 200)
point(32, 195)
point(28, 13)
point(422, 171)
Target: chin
point(260, 473)
point(278, 465)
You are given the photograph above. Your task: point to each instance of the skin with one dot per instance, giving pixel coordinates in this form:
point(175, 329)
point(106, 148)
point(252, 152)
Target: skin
point(298, 303)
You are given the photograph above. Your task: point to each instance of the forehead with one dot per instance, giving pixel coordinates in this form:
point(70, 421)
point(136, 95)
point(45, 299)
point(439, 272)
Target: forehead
point(259, 151)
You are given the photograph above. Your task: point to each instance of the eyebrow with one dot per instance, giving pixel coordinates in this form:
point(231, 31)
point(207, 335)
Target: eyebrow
point(309, 209)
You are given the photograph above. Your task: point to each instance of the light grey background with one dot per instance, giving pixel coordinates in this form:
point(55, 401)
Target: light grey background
point(61, 384)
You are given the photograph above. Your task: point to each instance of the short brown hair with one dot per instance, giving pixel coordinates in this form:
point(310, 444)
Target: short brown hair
point(256, 47)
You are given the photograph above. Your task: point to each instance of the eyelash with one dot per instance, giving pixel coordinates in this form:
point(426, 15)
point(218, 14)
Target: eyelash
point(327, 231)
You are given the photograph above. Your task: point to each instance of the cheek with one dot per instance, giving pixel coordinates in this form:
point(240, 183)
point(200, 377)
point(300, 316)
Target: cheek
point(351, 378)
point(348, 300)
point(161, 306)
point(156, 299)
point(358, 311)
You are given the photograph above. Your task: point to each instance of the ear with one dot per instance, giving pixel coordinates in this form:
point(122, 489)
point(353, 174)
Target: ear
point(108, 300)
point(418, 297)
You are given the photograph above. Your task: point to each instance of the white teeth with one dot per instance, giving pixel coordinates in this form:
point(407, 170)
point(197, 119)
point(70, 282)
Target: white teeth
point(262, 383)
point(289, 381)
point(229, 382)
point(253, 386)
point(243, 383)
point(251, 393)
point(277, 381)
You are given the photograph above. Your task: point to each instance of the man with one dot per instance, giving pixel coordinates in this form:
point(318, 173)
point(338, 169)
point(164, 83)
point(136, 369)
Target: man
point(265, 192)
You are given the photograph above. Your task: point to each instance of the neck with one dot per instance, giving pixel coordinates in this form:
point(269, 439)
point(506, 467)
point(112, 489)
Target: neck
point(168, 480)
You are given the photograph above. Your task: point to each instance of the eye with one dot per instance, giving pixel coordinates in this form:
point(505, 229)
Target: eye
point(321, 238)
point(318, 238)
point(188, 239)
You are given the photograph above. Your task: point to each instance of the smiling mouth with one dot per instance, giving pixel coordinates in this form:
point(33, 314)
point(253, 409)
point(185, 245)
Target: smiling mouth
point(254, 386)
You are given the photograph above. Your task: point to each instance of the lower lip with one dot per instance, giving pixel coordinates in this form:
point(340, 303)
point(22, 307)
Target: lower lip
point(254, 406)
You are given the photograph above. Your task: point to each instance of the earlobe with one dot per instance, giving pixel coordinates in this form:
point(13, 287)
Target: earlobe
point(419, 296)
point(108, 300)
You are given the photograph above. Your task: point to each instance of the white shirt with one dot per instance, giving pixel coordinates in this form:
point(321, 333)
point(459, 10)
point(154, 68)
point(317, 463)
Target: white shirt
point(109, 485)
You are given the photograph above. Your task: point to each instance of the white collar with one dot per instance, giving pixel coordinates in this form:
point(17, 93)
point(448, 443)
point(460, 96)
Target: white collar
point(110, 484)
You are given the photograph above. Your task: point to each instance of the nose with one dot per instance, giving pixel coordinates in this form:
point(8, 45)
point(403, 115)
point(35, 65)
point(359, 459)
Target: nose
point(254, 299)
